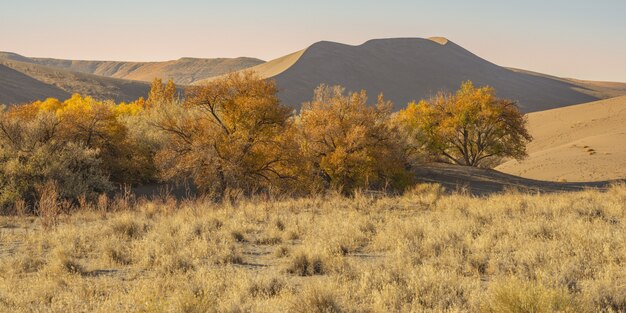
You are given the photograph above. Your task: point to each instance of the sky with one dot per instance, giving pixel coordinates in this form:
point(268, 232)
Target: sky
point(579, 39)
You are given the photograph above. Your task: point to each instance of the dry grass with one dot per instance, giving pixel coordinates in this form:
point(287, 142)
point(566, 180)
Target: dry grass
point(421, 252)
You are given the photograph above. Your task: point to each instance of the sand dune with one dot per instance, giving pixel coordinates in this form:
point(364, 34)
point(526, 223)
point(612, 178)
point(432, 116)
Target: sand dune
point(16, 87)
point(39, 82)
point(583, 142)
point(183, 71)
point(408, 69)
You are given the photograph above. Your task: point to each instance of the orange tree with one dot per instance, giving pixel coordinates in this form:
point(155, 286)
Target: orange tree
point(471, 127)
point(228, 134)
point(348, 144)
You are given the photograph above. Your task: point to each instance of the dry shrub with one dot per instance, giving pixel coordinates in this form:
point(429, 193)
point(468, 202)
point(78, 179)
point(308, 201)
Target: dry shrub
point(102, 203)
point(63, 262)
point(49, 206)
point(304, 264)
point(23, 264)
point(128, 228)
point(516, 296)
point(316, 299)
point(238, 236)
point(20, 207)
point(281, 251)
point(266, 287)
point(118, 254)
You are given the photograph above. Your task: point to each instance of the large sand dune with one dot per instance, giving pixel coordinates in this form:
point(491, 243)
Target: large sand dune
point(406, 69)
point(183, 71)
point(585, 142)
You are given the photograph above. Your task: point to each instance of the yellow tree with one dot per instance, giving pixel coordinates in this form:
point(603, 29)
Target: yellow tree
point(471, 127)
point(97, 125)
point(160, 92)
point(156, 93)
point(169, 92)
point(33, 152)
point(348, 144)
point(228, 134)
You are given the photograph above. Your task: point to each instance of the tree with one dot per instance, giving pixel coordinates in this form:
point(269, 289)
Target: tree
point(156, 93)
point(471, 127)
point(348, 144)
point(160, 92)
point(169, 93)
point(228, 134)
point(32, 153)
point(100, 125)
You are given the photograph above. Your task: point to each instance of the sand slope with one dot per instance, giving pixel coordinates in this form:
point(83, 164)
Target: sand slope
point(61, 83)
point(16, 87)
point(585, 142)
point(406, 69)
point(183, 71)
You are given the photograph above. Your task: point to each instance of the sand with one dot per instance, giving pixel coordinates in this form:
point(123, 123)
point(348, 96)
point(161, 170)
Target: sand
point(585, 142)
point(407, 69)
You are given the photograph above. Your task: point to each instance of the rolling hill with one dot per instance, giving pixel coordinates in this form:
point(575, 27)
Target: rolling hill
point(183, 71)
point(16, 87)
point(407, 69)
point(23, 82)
point(583, 142)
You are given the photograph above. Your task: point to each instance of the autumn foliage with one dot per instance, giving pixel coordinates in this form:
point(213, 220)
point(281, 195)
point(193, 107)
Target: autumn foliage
point(471, 127)
point(348, 144)
point(234, 134)
point(228, 134)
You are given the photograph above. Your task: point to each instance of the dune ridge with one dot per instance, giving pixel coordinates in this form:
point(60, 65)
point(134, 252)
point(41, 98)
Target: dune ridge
point(407, 69)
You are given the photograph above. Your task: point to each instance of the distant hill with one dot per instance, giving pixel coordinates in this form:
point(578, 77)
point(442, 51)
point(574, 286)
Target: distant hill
point(407, 69)
point(583, 142)
point(23, 82)
point(183, 71)
point(16, 87)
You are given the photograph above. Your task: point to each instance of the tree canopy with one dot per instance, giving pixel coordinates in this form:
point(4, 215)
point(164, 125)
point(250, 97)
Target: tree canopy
point(470, 127)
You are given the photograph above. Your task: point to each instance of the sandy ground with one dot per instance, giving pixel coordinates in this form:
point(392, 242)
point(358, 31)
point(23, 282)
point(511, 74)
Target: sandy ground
point(585, 142)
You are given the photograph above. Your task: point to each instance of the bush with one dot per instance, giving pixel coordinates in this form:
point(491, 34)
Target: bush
point(31, 163)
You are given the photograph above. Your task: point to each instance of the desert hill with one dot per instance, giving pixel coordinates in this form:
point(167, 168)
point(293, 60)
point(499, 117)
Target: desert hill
point(407, 69)
point(583, 142)
point(16, 87)
point(22, 82)
point(183, 71)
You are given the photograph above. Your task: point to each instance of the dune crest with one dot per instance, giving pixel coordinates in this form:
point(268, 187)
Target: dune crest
point(440, 40)
point(407, 69)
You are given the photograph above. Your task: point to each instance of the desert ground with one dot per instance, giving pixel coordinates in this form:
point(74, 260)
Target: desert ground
point(576, 143)
point(425, 251)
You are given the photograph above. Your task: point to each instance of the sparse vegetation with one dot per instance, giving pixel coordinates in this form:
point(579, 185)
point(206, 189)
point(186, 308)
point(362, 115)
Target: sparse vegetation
point(425, 251)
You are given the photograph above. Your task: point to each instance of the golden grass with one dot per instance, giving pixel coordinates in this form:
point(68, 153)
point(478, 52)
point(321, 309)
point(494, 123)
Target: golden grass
point(421, 252)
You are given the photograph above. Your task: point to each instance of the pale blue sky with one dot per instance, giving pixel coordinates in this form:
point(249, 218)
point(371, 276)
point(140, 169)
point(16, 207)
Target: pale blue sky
point(581, 39)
